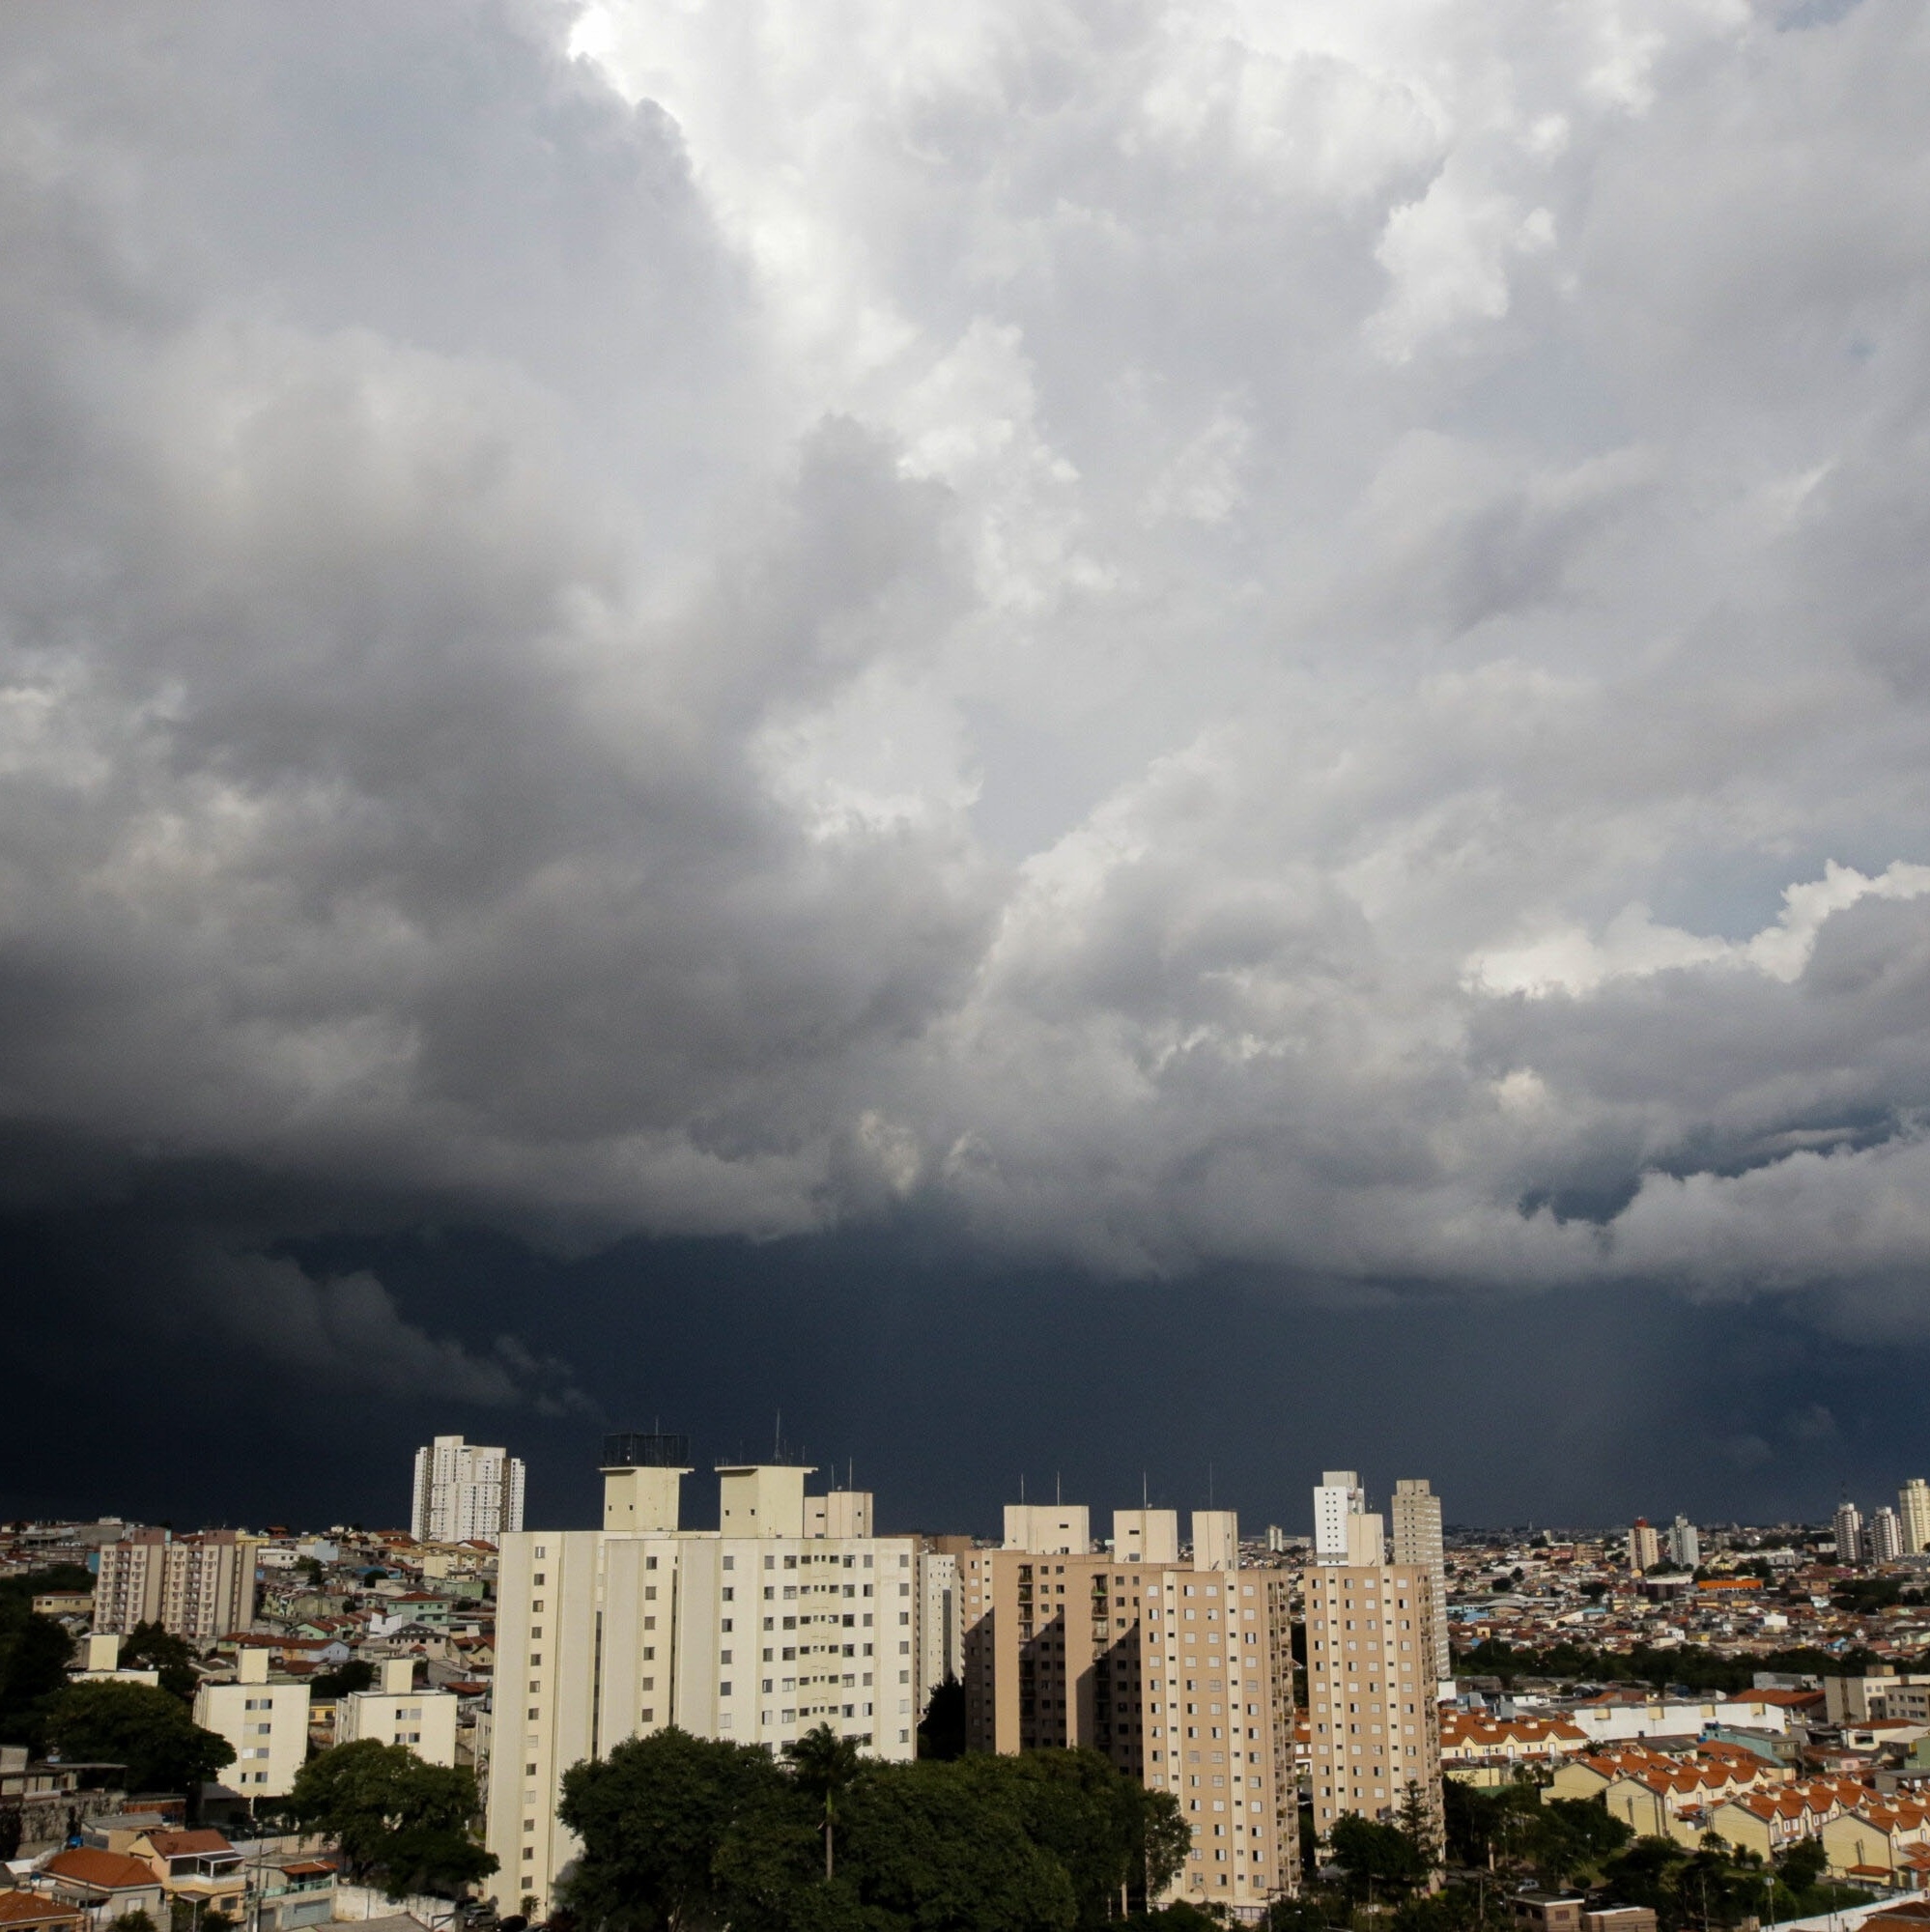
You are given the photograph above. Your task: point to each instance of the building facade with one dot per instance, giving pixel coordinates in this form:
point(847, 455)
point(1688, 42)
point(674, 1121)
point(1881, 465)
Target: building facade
point(1883, 1536)
point(464, 1491)
point(757, 1632)
point(395, 1712)
point(1415, 1526)
point(1644, 1545)
point(1849, 1527)
point(1684, 1544)
point(1372, 1710)
point(265, 1723)
point(1180, 1673)
point(1913, 1503)
point(200, 1587)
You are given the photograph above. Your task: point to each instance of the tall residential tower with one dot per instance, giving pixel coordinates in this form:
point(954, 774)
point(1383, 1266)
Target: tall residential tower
point(465, 1491)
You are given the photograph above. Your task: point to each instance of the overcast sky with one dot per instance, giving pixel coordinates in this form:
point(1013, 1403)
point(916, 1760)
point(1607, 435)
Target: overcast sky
point(1087, 673)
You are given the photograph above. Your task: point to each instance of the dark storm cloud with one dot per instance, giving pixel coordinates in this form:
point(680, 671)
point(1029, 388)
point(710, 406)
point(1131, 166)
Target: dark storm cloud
point(628, 620)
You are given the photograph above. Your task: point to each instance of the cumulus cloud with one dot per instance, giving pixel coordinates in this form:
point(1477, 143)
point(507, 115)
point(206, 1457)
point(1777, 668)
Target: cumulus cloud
point(1210, 632)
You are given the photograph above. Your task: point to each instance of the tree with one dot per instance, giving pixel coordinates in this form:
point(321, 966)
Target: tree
point(150, 1647)
point(357, 1674)
point(1379, 1860)
point(34, 1656)
point(823, 1766)
point(927, 1847)
point(401, 1824)
point(653, 1818)
point(940, 1732)
point(139, 1726)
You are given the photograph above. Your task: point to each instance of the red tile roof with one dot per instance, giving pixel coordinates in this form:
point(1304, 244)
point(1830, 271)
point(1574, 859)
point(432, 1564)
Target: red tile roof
point(29, 1908)
point(107, 1871)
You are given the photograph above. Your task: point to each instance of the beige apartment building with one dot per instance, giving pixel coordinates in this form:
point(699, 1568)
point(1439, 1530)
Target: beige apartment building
point(266, 1723)
point(1415, 1526)
point(199, 1587)
point(1375, 1722)
point(756, 1631)
point(394, 1712)
point(1181, 1673)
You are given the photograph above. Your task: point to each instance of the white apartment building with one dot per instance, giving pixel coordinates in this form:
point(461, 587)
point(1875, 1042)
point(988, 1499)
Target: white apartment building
point(941, 1627)
point(1849, 1533)
point(1684, 1544)
point(756, 1631)
point(463, 1490)
point(1914, 1509)
point(265, 1723)
point(1883, 1536)
point(1344, 1529)
point(396, 1713)
point(1416, 1537)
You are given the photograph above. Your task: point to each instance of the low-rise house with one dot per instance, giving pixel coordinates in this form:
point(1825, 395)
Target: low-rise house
point(197, 1868)
point(1482, 1751)
point(1769, 1822)
point(292, 1891)
point(104, 1885)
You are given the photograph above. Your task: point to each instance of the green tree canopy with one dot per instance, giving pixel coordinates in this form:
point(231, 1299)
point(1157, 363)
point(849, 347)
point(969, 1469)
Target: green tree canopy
point(34, 1656)
point(150, 1647)
point(139, 1726)
point(681, 1833)
point(401, 1824)
point(1379, 1860)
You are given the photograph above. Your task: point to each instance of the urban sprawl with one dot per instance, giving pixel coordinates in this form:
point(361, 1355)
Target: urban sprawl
point(1661, 1726)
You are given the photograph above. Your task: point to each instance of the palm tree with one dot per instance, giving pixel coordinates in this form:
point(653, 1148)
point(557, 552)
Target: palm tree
point(824, 1763)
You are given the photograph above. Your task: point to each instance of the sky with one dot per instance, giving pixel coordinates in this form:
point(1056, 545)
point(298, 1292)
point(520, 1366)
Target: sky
point(1138, 745)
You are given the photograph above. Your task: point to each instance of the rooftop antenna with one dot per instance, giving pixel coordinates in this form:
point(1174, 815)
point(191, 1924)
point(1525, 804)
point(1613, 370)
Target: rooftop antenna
point(1143, 1494)
point(1209, 1486)
point(777, 1438)
point(1058, 1490)
point(1021, 1489)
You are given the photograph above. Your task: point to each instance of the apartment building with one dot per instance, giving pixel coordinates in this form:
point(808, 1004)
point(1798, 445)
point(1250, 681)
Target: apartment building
point(1415, 1514)
point(1371, 1649)
point(940, 1628)
point(1849, 1526)
point(465, 1489)
point(1180, 1673)
point(1344, 1529)
point(1644, 1545)
point(394, 1712)
point(1913, 1508)
point(1883, 1536)
point(199, 1587)
point(266, 1724)
point(756, 1632)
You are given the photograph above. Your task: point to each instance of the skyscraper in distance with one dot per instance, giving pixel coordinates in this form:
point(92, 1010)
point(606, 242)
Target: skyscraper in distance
point(1913, 1507)
point(465, 1491)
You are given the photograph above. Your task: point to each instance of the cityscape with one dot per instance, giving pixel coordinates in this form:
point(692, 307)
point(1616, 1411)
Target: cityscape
point(1746, 1695)
point(965, 968)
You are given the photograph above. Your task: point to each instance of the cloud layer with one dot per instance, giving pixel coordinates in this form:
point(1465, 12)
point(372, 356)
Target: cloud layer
point(1169, 634)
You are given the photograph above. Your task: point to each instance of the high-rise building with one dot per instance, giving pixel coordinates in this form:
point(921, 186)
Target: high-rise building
point(1684, 1544)
point(1883, 1536)
point(1849, 1533)
point(1914, 1509)
point(1415, 1533)
point(199, 1588)
point(1182, 1674)
point(940, 1628)
point(1644, 1545)
point(464, 1491)
point(1344, 1532)
point(756, 1632)
point(1372, 1713)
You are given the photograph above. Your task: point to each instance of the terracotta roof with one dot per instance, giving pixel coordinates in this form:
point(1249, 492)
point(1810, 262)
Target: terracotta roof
point(29, 1908)
point(110, 1871)
point(185, 1844)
